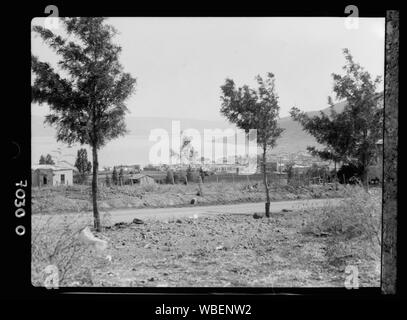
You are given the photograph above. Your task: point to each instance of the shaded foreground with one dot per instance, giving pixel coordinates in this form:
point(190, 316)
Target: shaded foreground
point(308, 247)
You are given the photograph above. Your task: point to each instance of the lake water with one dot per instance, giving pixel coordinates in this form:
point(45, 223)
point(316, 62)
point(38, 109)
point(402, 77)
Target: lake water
point(130, 149)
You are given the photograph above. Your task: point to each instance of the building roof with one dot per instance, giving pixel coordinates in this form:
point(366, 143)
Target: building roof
point(154, 174)
point(300, 166)
point(50, 167)
point(139, 176)
point(66, 164)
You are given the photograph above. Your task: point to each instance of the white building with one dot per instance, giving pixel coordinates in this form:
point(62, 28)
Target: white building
point(51, 175)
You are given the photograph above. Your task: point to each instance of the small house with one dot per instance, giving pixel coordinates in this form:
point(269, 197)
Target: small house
point(51, 175)
point(141, 179)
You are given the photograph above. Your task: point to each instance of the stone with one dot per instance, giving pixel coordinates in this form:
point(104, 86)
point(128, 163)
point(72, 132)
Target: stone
point(89, 239)
point(257, 215)
point(138, 221)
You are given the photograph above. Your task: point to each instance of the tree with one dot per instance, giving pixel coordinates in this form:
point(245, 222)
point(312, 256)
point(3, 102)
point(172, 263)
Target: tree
point(107, 181)
point(82, 164)
point(332, 131)
point(349, 136)
point(289, 169)
point(87, 93)
point(115, 178)
point(121, 176)
point(254, 109)
point(170, 177)
point(49, 160)
point(46, 160)
point(42, 160)
point(190, 175)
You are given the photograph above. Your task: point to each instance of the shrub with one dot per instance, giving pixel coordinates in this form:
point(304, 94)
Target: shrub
point(170, 177)
point(349, 173)
point(353, 227)
point(151, 187)
point(56, 243)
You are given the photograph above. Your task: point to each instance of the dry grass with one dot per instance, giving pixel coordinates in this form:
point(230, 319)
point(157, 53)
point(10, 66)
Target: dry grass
point(58, 244)
point(77, 198)
point(353, 229)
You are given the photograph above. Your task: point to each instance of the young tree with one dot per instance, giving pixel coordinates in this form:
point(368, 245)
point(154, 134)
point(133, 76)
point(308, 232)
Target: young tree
point(107, 181)
point(115, 177)
point(190, 176)
point(254, 109)
point(289, 169)
point(170, 177)
point(351, 135)
point(82, 164)
point(121, 176)
point(87, 98)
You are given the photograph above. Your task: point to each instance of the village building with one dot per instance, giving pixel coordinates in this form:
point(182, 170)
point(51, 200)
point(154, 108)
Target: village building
point(299, 169)
point(157, 176)
point(141, 179)
point(51, 175)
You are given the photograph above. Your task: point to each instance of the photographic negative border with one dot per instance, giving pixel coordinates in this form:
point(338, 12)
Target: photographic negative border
point(390, 155)
point(20, 162)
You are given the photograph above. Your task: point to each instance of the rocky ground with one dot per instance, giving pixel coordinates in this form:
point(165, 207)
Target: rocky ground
point(290, 249)
point(304, 247)
point(229, 250)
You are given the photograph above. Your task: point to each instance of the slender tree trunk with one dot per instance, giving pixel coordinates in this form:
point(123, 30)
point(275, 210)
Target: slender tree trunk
point(200, 186)
point(365, 181)
point(96, 216)
point(336, 176)
point(267, 206)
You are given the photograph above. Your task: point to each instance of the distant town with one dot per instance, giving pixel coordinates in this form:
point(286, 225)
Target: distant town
point(66, 173)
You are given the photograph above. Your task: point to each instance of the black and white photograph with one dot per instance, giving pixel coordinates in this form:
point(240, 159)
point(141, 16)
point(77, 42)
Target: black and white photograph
point(209, 152)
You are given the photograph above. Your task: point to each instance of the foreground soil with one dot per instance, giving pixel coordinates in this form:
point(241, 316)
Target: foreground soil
point(226, 251)
point(77, 198)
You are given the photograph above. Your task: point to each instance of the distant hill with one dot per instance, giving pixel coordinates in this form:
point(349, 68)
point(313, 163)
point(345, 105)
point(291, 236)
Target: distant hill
point(293, 139)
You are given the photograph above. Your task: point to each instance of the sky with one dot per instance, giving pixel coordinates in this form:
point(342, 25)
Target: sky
point(180, 63)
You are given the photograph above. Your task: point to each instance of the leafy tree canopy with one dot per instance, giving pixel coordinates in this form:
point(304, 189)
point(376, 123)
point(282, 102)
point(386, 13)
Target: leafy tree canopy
point(351, 135)
point(87, 106)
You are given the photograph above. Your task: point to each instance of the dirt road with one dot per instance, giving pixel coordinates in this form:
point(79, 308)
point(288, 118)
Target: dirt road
point(127, 215)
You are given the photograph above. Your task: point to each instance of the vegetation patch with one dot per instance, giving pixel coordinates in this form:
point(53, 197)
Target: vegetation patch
point(77, 198)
